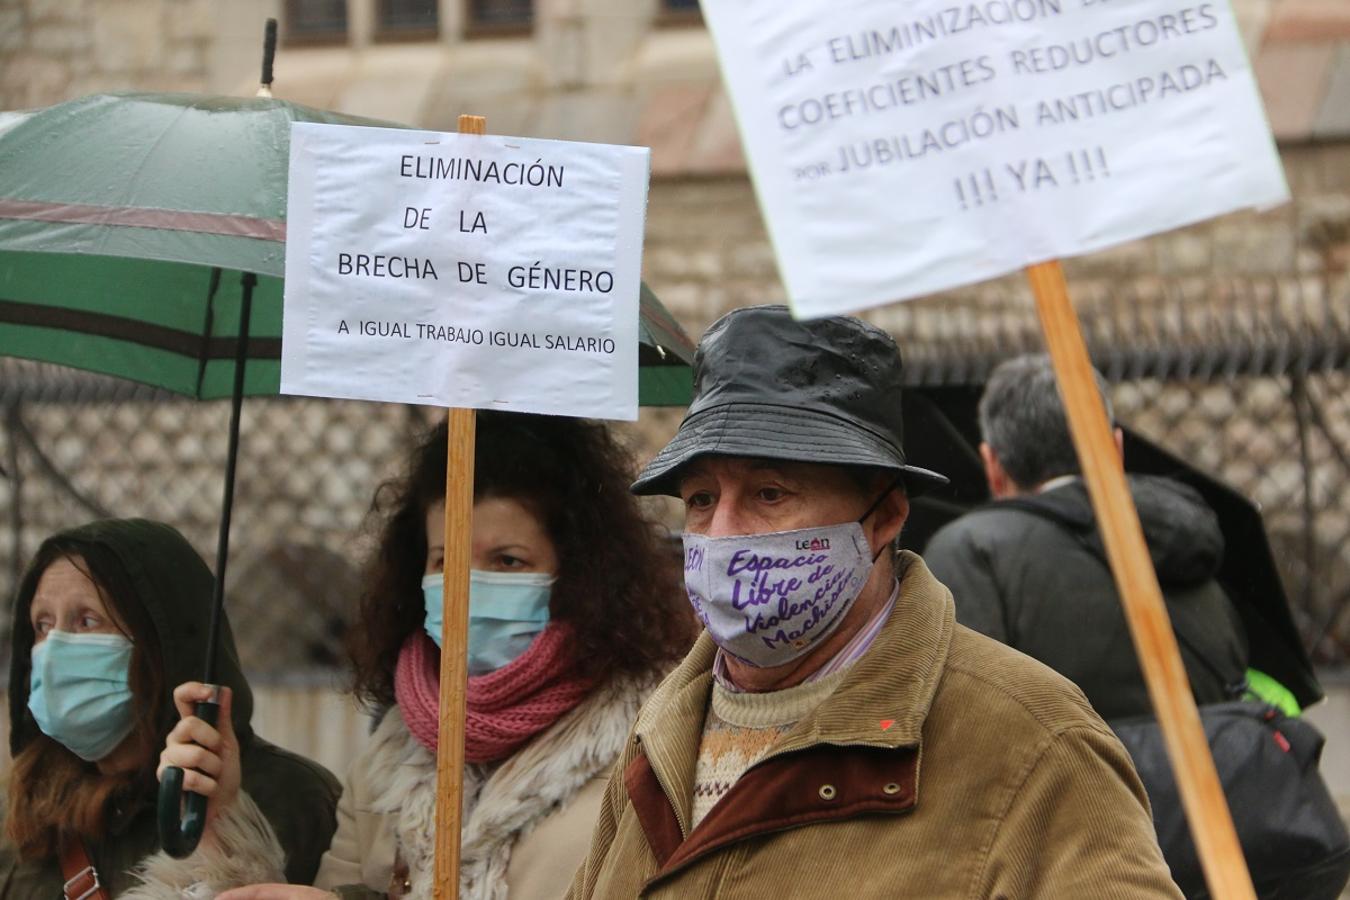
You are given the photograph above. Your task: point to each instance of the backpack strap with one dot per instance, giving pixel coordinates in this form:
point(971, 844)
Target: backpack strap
point(1236, 689)
point(81, 878)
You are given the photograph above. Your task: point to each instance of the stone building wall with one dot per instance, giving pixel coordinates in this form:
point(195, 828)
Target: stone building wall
point(54, 50)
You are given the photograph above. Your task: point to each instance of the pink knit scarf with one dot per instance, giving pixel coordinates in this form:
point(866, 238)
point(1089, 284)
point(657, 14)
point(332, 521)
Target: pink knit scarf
point(506, 707)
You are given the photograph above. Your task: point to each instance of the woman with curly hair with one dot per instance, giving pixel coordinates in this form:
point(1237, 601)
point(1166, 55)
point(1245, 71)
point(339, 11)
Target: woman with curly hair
point(573, 617)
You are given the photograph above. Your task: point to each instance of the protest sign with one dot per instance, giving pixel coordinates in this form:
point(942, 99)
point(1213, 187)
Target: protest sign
point(900, 149)
point(465, 271)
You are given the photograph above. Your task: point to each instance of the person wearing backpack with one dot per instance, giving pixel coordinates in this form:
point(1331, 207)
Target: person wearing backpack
point(1030, 570)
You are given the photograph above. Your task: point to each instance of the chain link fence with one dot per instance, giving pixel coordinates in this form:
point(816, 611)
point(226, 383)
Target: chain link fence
point(1249, 382)
point(82, 447)
point(1245, 379)
point(1282, 440)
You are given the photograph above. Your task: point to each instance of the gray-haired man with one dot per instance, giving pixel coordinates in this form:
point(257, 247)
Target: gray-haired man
point(1030, 568)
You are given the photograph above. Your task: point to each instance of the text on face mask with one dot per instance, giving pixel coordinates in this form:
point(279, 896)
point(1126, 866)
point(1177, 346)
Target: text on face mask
point(770, 583)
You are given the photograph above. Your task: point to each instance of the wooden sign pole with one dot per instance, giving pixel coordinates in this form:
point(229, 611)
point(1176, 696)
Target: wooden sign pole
point(455, 630)
point(1154, 642)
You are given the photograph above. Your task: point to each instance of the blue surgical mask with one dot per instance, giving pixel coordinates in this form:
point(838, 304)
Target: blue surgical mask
point(507, 611)
point(80, 694)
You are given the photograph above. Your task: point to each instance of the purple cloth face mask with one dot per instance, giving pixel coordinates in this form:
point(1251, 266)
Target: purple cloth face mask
point(767, 599)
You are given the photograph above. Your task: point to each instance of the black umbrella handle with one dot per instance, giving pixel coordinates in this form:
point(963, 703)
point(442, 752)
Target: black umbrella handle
point(182, 814)
point(269, 51)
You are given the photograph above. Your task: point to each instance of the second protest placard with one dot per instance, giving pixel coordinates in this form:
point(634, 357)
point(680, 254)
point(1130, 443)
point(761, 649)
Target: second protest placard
point(463, 271)
point(900, 149)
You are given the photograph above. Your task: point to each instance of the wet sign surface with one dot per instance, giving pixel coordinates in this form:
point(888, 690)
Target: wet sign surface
point(459, 270)
point(904, 148)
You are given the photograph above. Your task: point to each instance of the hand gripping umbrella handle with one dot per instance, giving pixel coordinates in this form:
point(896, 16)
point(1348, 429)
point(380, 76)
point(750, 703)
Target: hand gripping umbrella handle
point(182, 815)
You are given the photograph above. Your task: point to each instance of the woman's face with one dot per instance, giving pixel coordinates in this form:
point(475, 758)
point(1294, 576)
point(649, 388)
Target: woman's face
point(67, 600)
point(507, 537)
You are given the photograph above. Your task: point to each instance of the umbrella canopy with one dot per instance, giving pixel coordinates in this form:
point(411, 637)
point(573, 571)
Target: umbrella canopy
point(665, 355)
point(127, 220)
point(944, 436)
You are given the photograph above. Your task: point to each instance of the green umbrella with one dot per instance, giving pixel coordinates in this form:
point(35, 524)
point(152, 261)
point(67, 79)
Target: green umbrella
point(137, 234)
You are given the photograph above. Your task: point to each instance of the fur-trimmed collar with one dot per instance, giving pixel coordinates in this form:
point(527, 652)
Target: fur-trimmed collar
point(500, 802)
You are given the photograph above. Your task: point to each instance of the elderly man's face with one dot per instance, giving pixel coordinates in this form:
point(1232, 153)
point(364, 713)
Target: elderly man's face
point(733, 495)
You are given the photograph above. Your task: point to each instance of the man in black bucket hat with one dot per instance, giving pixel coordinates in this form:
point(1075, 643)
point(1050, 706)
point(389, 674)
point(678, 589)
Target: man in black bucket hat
point(770, 387)
point(782, 757)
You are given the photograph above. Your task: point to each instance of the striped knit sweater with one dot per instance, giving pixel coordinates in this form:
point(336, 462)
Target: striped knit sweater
point(740, 730)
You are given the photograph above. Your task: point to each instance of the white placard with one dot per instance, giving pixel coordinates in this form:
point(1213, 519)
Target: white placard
point(903, 148)
point(460, 270)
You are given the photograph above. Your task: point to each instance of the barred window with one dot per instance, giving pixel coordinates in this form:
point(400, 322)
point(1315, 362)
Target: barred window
point(488, 16)
point(407, 19)
point(315, 21)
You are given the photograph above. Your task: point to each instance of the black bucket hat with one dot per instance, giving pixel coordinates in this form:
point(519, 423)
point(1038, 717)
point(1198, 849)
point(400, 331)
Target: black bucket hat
point(769, 386)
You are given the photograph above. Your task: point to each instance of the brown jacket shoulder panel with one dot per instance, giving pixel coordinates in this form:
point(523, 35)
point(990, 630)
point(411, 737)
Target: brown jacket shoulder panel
point(983, 670)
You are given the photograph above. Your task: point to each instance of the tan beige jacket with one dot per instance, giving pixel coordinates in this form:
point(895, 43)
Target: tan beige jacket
point(526, 821)
point(945, 765)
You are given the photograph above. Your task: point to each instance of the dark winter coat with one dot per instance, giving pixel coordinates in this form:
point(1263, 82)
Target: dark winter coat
point(1032, 572)
point(298, 797)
